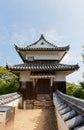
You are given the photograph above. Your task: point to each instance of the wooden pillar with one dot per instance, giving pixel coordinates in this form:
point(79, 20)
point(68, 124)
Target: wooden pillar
point(36, 88)
point(34, 92)
point(23, 90)
point(51, 87)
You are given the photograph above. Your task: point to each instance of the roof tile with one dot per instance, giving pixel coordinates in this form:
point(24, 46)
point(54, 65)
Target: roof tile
point(31, 66)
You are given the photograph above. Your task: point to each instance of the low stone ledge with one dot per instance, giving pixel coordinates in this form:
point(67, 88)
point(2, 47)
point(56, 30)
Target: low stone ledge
point(67, 117)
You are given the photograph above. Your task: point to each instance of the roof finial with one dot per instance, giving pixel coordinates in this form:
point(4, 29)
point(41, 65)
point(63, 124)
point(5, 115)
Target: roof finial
point(15, 46)
point(42, 37)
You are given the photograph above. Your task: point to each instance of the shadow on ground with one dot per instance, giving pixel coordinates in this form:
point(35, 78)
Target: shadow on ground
point(46, 120)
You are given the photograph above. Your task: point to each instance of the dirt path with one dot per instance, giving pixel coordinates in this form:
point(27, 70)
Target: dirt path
point(35, 119)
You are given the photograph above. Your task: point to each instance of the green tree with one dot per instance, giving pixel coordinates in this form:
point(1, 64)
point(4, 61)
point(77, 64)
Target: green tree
point(75, 90)
point(8, 81)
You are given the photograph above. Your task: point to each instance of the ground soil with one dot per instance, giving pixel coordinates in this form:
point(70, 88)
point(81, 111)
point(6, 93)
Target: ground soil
point(35, 119)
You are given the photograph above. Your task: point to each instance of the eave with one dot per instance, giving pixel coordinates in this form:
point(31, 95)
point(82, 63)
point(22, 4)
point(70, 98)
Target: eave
point(22, 51)
point(66, 48)
point(42, 67)
point(33, 48)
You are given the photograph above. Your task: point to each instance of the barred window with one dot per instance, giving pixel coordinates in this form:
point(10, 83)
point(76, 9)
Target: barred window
point(31, 58)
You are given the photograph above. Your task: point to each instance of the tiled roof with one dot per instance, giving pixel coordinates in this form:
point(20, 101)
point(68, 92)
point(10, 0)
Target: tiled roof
point(4, 99)
point(31, 66)
point(52, 48)
point(42, 49)
point(70, 109)
point(41, 37)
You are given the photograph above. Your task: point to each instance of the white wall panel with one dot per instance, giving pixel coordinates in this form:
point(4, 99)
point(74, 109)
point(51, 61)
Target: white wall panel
point(60, 77)
point(44, 56)
point(44, 45)
point(25, 76)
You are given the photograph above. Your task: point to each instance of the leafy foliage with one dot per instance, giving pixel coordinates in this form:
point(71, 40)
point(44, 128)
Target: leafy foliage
point(8, 81)
point(83, 55)
point(75, 90)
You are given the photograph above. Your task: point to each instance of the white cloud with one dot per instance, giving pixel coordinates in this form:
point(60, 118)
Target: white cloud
point(23, 37)
point(71, 58)
point(3, 60)
point(19, 38)
point(52, 36)
point(4, 35)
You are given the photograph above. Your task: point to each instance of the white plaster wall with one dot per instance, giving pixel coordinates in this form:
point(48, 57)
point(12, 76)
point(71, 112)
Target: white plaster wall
point(43, 56)
point(39, 45)
point(15, 103)
point(25, 76)
point(60, 77)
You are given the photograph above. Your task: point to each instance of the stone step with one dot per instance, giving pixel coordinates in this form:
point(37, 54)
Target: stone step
point(43, 104)
point(39, 104)
point(43, 97)
point(43, 107)
point(43, 101)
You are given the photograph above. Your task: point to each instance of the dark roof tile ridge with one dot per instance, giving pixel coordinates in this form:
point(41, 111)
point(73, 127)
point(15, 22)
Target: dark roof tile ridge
point(41, 37)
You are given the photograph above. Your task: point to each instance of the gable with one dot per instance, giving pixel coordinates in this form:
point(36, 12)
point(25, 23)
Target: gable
point(42, 44)
point(38, 49)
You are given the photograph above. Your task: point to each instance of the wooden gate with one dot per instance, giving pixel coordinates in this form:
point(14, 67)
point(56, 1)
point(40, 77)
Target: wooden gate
point(29, 90)
point(43, 86)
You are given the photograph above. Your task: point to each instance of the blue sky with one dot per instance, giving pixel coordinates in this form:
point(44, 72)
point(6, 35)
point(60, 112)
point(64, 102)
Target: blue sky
point(61, 21)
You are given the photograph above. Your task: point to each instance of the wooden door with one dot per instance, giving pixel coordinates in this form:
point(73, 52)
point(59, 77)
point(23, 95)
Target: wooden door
point(43, 86)
point(29, 90)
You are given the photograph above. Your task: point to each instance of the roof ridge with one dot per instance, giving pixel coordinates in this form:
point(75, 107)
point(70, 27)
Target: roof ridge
point(42, 64)
point(41, 37)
